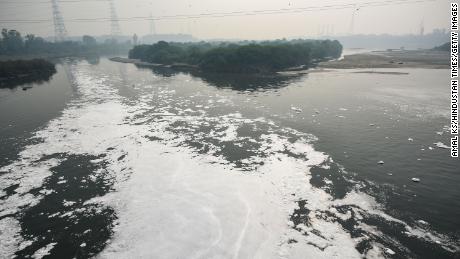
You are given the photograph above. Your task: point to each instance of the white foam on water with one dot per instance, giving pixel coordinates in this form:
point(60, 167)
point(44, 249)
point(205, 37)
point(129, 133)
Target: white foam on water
point(178, 204)
point(230, 134)
point(213, 211)
point(44, 251)
point(209, 210)
point(296, 109)
point(441, 145)
point(10, 237)
point(83, 128)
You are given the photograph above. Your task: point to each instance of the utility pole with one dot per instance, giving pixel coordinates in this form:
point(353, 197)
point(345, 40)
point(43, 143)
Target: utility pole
point(60, 32)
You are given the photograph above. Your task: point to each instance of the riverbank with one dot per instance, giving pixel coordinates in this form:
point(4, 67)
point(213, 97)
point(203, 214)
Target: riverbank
point(138, 62)
point(392, 59)
point(194, 68)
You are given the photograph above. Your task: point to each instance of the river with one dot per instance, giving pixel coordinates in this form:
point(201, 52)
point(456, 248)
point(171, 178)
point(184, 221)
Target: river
point(108, 160)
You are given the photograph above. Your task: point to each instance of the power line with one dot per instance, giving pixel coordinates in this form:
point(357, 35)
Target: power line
point(232, 14)
point(152, 25)
point(48, 2)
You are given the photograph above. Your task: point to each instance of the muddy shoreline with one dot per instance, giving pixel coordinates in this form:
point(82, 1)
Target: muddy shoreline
point(138, 62)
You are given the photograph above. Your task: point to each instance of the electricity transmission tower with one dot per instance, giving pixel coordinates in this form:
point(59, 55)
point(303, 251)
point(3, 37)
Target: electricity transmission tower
point(352, 23)
point(60, 32)
point(422, 27)
point(114, 25)
point(152, 25)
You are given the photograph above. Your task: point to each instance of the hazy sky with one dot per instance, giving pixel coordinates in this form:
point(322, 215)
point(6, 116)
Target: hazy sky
point(393, 18)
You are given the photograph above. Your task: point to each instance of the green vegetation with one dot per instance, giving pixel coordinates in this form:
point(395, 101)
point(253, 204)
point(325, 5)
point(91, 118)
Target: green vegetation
point(443, 47)
point(13, 44)
point(16, 72)
point(244, 57)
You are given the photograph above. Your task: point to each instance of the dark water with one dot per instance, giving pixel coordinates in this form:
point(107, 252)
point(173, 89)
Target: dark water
point(358, 119)
point(27, 108)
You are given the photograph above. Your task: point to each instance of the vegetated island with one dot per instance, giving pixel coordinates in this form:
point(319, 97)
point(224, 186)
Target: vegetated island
point(436, 58)
point(242, 57)
point(18, 72)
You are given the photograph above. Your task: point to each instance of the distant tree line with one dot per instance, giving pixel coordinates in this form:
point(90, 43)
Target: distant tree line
point(12, 43)
point(443, 47)
point(388, 41)
point(243, 57)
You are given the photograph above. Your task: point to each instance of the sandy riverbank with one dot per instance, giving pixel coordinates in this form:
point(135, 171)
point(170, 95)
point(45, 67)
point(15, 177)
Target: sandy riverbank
point(392, 59)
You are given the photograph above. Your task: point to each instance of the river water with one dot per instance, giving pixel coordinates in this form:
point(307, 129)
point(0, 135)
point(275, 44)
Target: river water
point(108, 160)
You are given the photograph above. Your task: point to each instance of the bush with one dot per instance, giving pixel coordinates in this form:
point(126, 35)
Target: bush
point(20, 67)
point(17, 72)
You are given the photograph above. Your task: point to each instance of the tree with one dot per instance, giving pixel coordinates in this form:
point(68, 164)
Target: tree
point(242, 57)
point(12, 41)
point(88, 40)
